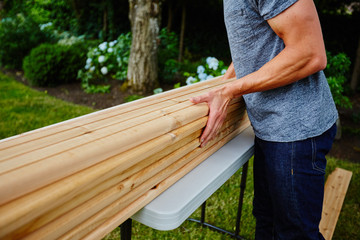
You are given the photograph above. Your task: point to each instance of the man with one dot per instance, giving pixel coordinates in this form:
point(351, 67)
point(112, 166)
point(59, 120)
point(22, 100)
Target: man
point(278, 56)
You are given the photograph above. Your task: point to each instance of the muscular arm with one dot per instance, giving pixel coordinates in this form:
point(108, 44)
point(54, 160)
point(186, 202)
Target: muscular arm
point(304, 54)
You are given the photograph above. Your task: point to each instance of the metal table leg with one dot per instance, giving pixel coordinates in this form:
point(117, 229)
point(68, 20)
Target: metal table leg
point(238, 217)
point(125, 230)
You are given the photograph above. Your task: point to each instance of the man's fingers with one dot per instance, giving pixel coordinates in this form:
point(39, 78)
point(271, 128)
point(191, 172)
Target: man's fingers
point(199, 99)
point(210, 130)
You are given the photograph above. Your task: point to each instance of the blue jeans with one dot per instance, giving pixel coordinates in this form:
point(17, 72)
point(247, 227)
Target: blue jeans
point(289, 187)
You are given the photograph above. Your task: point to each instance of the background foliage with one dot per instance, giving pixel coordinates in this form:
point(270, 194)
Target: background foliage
point(18, 35)
point(205, 33)
point(337, 72)
point(54, 64)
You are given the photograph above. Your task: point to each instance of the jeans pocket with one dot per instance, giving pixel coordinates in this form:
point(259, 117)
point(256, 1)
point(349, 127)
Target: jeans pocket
point(318, 158)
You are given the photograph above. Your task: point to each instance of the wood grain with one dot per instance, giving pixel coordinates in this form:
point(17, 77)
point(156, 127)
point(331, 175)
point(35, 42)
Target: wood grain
point(336, 187)
point(68, 179)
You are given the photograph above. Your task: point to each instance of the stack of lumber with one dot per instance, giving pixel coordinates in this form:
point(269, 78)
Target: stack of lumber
point(81, 178)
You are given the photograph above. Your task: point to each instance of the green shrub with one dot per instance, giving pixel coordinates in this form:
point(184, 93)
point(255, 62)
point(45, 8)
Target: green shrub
point(167, 56)
point(54, 64)
point(18, 35)
point(337, 71)
point(131, 98)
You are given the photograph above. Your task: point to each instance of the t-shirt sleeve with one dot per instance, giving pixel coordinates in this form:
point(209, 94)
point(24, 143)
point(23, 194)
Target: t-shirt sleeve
point(271, 8)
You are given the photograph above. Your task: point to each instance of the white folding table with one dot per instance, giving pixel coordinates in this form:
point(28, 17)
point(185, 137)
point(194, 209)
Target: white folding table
point(171, 208)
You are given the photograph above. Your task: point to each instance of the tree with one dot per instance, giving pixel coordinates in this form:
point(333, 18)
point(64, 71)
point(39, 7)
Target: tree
point(356, 72)
point(143, 62)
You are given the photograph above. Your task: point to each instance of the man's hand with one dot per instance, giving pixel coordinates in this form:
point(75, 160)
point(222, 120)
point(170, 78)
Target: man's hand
point(218, 104)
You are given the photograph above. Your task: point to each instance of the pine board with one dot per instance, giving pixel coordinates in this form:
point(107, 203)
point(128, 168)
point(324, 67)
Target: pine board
point(336, 187)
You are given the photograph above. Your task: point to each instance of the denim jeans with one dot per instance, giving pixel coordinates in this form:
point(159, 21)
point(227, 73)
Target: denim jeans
point(289, 187)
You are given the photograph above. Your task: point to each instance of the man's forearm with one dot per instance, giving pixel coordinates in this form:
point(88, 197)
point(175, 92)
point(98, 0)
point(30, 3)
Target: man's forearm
point(289, 66)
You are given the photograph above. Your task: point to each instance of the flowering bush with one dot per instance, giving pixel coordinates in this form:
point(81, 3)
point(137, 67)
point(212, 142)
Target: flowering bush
point(61, 37)
point(108, 60)
point(212, 68)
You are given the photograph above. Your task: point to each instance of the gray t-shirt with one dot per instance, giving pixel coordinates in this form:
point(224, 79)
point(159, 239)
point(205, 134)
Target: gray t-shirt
point(294, 112)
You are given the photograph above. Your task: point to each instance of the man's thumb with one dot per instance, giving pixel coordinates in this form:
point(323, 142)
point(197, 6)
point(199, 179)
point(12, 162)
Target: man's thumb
point(196, 100)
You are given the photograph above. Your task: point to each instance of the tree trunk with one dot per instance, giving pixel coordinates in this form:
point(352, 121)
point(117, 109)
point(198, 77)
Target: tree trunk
point(143, 62)
point(356, 72)
point(1, 8)
point(170, 16)
point(77, 8)
point(182, 32)
point(105, 21)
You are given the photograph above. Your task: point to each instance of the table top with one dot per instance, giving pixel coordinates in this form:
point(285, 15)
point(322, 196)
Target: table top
point(171, 208)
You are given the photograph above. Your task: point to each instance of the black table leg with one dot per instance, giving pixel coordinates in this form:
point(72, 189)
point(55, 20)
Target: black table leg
point(238, 217)
point(125, 230)
point(241, 198)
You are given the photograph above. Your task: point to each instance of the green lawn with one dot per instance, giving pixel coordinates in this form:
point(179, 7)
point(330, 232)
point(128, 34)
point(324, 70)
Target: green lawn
point(23, 109)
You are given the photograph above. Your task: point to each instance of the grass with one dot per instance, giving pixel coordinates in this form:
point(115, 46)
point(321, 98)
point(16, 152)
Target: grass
point(23, 109)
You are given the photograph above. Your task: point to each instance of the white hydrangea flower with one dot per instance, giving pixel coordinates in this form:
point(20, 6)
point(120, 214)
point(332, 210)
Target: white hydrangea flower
point(92, 69)
point(104, 70)
point(101, 59)
point(111, 44)
point(103, 46)
point(202, 76)
point(213, 63)
point(190, 80)
point(110, 50)
point(158, 90)
point(209, 77)
point(200, 69)
point(87, 66)
point(43, 26)
point(223, 71)
point(88, 61)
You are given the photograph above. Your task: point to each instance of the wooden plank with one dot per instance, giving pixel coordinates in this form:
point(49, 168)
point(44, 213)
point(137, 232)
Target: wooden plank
point(107, 211)
point(58, 166)
point(92, 132)
point(117, 121)
point(108, 113)
point(36, 203)
point(121, 215)
point(70, 178)
point(336, 187)
point(94, 199)
point(26, 218)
